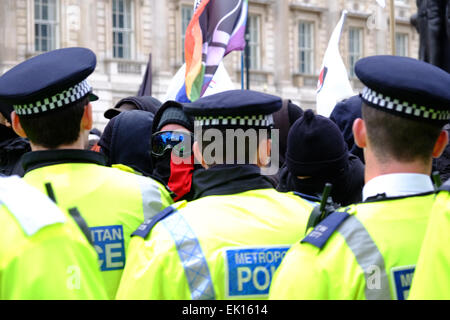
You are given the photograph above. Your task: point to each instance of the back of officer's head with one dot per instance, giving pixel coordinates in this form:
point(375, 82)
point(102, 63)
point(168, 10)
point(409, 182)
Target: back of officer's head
point(233, 127)
point(406, 102)
point(55, 129)
point(395, 137)
point(50, 96)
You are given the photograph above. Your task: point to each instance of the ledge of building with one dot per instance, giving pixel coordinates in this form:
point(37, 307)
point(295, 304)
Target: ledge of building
point(125, 66)
point(258, 76)
point(306, 7)
point(358, 14)
point(305, 80)
point(263, 2)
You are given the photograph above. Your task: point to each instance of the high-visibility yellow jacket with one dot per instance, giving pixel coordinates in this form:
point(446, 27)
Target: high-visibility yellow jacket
point(216, 247)
point(43, 253)
point(112, 202)
point(365, 251)
point(432, 279)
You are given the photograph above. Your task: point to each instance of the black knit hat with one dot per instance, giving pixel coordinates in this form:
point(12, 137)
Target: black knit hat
point(171, 112)
point(316, 147)
point(145, 103)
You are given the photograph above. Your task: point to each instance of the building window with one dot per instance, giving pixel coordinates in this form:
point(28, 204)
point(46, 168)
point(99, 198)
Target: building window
point(355, 48)
point(254, 43)
point(306, 47)
point(122, 29)
point(45, 25)
point(401, 44)
point(186, 16)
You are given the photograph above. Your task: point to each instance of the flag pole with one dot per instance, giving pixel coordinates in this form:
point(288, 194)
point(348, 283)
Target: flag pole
point(247, 53)
point(242, 70)
point(392, 19)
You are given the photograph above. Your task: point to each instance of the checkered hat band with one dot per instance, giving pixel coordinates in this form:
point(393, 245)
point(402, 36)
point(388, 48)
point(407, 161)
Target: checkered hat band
point(250, 121)
point(59, 100)
point(396, 105)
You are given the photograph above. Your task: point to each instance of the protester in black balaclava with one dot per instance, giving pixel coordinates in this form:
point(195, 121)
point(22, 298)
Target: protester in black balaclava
point(12, 147)
point(317, 154)
point(126, 140)
point(172, 155)
point(344, 114)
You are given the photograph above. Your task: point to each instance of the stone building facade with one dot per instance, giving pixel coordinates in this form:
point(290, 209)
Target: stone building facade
point(288, 39)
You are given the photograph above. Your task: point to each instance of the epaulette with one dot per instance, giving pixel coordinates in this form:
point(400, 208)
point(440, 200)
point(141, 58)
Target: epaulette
point(445, 187)
point(145, 228)
point(308, 197)
point(323, 231)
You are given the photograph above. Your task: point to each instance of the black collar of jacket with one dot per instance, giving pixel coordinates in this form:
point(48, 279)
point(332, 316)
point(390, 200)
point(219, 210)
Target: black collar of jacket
point(38, 159)
point(228, 179)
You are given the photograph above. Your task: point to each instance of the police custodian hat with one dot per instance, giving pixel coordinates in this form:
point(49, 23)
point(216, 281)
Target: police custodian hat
point(50, 81)
point(405, 87)
point(234, 108)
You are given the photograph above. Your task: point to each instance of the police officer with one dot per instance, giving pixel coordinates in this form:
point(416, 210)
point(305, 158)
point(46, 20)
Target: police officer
point(431, 278)
point(44, 255)
point(228, 241)
point(51, 99)
point(369, 250)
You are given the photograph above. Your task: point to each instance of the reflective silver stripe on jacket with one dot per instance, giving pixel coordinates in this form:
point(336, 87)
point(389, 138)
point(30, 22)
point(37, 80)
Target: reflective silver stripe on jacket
point(368, 257)
point(151, 197)
point(192, 257)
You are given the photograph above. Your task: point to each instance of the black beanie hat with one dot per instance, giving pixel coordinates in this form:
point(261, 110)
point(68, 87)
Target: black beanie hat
point(172, 112)
point(316, 147)
point(145, 103)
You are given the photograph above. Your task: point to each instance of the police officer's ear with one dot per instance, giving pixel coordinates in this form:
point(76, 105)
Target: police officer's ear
point(198, 155)
point(87, 121)
point(17, 127)
point(264, 152)
point(360, 133)
point(440, 144)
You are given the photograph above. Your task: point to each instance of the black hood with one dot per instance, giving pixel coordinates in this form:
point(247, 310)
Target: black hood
point(127, 140)
point(347, 184)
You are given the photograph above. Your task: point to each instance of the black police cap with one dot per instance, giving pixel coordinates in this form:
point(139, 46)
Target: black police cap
point(406, 87)
point(49, 81)
point(234, 108)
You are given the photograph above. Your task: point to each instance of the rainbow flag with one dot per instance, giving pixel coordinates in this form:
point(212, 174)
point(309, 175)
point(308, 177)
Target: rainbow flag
point(216, 28)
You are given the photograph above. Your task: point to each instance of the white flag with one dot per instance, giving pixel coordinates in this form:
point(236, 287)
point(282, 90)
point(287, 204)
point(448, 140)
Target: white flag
point(220, 82)
point(382, 3)
point(333, 85)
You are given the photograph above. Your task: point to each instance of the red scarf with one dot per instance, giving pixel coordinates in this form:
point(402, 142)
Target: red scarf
point(180, 179)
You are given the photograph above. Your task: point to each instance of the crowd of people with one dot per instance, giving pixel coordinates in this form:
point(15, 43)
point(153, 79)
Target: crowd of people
point(237, 195)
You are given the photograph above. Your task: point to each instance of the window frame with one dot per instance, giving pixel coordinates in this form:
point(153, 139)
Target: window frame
point(255, 47)
point(354, 56)
point(311, 50)
point(405, 44)
point(51, 24)
point(128, 29)
point(183, 27)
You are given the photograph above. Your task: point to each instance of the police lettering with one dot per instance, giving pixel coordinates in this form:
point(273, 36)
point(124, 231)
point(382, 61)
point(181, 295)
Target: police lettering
point(259, 257)
point(260, 277)
point(250, 270)
point(109, 244)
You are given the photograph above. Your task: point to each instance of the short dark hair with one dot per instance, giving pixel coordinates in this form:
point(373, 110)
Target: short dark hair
point(57, 128)
point(250, 151)
point(399, 138)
